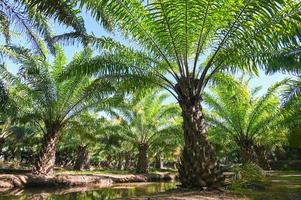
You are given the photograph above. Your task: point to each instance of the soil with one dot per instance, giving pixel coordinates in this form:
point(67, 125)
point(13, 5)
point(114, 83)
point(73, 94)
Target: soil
point(71, 180)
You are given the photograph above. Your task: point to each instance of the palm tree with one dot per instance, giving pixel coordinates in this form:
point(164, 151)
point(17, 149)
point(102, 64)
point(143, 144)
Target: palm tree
point(183, 44)
point(238, 115)
point(50, 103)
point(81, 133)
point(146, 122)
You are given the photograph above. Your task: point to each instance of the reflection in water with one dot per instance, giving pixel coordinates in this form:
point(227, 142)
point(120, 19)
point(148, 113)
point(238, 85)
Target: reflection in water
point(117, 192)
point(282, 188)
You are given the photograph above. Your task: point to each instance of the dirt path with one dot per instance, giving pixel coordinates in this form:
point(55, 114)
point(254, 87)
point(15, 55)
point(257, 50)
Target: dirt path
point(72, 180)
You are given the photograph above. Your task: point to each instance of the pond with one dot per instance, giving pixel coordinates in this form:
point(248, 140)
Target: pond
point(284, 186)
point(118, 191)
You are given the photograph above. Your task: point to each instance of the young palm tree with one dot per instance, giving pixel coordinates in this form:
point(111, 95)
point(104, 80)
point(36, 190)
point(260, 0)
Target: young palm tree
point(51, 103)
point(187, 42)
point(146, 122)
point(81, 133)
point(240, 116)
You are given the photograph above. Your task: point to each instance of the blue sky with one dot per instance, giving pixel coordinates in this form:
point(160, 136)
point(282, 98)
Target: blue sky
point(93, 27)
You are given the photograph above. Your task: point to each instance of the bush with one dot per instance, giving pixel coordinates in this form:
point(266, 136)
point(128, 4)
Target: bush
point(249, 175)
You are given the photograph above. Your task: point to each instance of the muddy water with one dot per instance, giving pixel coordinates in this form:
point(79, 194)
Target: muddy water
point(119, 191)
point(284, 186)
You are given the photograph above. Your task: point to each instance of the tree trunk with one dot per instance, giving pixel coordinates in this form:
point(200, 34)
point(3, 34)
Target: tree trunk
point(198, 166)
point(142, 163)
point(247, 152)
point(158, 162)
point(262, 157)
point(127, 162)
point(2, 142)
point(108, 162)
point(46, 158)
point(83, 158)
point(120, 161)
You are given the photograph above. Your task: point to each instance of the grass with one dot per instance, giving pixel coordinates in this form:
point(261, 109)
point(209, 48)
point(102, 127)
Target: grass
point(284, 185)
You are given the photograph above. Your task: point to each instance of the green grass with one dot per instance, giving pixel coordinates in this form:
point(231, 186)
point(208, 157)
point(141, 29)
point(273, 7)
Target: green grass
point(283, 185)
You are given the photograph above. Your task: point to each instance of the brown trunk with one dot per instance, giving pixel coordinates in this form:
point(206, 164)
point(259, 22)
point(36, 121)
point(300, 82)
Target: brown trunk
point(247, 152)
point(262, 157)
point(109, 163)
point(119, 161)
point(46, 157)
point(142, 163)
point(2, 142)
point(158, 162)
point(83, 158)
point(127, 163)
point(198, 166)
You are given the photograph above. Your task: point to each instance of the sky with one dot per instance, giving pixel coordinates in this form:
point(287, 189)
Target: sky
point(93, 27)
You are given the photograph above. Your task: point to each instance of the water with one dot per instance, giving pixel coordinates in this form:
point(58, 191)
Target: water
point(118, 191)
point(284, 186)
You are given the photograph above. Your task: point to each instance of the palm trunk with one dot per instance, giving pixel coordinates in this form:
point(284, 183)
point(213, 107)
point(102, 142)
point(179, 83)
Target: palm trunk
point(127, 163)
point(247, 152)
point(109, 163)
point(198, 166)
point(120, 161)
point(142, 163)
point(46, 157)
point(158, 162)
point(83, 158)
point(2, 142)
point(262, 157)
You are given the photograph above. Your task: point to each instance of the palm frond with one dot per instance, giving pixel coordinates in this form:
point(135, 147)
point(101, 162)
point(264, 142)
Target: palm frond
point(63, 12)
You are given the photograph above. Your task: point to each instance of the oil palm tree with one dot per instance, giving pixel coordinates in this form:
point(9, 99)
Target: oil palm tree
point(185, 44)
point(251, 122)
point(145, 122)
point(51, 103)
point(81, 133)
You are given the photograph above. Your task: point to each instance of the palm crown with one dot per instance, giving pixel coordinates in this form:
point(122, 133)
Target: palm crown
point(198, 38)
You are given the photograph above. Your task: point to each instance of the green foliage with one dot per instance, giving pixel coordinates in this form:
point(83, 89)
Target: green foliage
point(291, 104)
point(194, 39)
point(148, 120)
point(248, 174)
point(52, 104)
point(238, 116)
point(30, 20)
